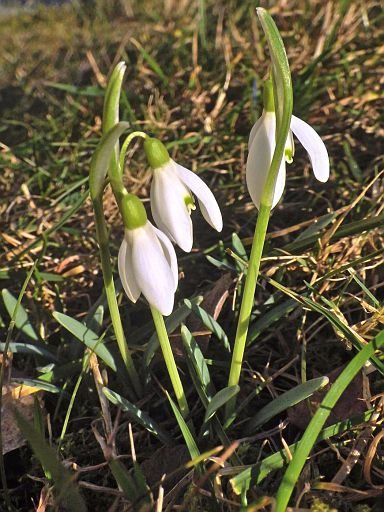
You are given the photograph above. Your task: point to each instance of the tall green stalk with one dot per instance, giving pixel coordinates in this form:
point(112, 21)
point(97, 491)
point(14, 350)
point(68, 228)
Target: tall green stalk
point(109, 285)
point(98, 170)
point(170, 361)
point(283, 100)
point(249, 294)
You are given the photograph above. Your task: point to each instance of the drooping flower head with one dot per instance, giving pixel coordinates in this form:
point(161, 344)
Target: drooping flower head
point(147, 260)
point(261, 146)
point(172, 199)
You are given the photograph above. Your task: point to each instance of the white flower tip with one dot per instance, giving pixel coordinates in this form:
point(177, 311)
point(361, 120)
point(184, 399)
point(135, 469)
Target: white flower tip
point(165, 308)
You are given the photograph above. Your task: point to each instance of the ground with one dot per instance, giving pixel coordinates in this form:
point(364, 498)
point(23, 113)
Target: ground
point(194, 75)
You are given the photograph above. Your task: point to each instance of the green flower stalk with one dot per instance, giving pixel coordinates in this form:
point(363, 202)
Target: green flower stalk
point(282, 101)
point(147, 260)
point(98, 171)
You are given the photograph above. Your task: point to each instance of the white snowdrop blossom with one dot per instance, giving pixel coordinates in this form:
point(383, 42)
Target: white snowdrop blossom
point(172, 190)
point(147, 265)
point(261, 146)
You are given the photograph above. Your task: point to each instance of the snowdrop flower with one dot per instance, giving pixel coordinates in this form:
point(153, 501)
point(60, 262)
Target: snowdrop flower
point(171, 196)
point(261, 146)
point(147, 260)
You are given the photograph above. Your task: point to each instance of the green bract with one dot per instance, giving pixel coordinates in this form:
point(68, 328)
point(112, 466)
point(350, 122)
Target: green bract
point(268, 99)
point(156, 153)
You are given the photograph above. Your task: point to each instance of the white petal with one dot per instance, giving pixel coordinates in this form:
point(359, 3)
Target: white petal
point(126, 273)
point(259, 161)
point(152, 270)
point(157, 218)
point(169, 209)
point(255, 127)
point(207, 202)
point(315, 147)
point(169, 253)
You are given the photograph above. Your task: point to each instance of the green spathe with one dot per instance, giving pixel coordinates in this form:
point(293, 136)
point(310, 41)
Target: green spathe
point(132, 211)
point(156, 153)
point(268, 99)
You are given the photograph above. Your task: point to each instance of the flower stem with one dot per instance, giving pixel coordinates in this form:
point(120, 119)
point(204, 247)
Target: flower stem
point(125, 145)
point(170, 361)
point(248, 298)
point(105, 257)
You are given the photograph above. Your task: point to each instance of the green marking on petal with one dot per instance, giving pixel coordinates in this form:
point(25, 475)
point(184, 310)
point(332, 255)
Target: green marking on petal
point(288, 154)
point(189, 203)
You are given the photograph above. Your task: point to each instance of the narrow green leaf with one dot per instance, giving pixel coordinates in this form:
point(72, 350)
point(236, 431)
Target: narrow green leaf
point(284, 401)
point(353, 228)
point(67, 493)
point(188, 437)
point(220, 399)
point(21, 321)
point(270, 317)
point(138, 415)
point(209, 322)
point(61, 372)
point(152, 63)
point(38, 349)
point(197, 360)
point(73, 89)
point(330, 316)
point(310, 435)
point(123, 479)
point(238, 246)
point(317, 226)
point(86, 336)
point(255, 474)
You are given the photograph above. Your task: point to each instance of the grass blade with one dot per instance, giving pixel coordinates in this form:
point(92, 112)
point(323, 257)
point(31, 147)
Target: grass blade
point(187, 434)
point(255, 474)
point(310, 435)
point(197, 360)
point(138, 415)
point(21, 321)
point(67, 493)
point(285, 400)
point(210, 323)
point(220, 399)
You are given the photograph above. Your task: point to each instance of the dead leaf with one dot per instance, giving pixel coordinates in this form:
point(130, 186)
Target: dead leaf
point(19, 397)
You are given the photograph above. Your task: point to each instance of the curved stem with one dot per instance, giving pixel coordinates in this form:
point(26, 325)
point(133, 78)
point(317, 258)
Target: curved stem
point(125, 145)
point(170, 361)
point(105, 257)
